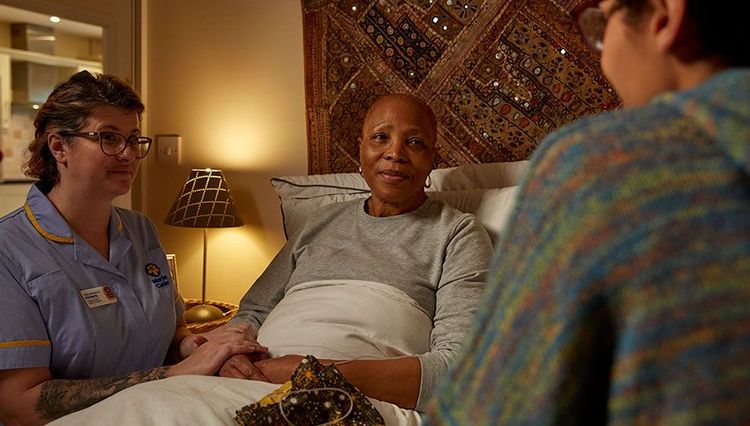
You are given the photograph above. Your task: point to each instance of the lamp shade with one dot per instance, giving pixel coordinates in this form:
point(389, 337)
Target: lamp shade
point(204, 202)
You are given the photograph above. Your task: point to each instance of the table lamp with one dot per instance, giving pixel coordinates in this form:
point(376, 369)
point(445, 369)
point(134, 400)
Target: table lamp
point(204, 202)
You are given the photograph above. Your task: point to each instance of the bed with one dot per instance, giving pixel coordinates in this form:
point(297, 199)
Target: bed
point(487, 190)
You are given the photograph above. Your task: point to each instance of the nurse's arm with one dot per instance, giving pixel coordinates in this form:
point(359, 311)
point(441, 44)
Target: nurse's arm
point(32, 396)
point(176, 352)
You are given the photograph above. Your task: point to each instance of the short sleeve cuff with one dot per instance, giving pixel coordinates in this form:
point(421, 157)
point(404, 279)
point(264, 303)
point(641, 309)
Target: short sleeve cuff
point(25, 354)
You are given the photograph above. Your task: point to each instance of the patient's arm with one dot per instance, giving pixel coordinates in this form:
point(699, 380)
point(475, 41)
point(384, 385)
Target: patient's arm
point(268, 289)
point(33, 396)
point(395, 380)
point(241, 366)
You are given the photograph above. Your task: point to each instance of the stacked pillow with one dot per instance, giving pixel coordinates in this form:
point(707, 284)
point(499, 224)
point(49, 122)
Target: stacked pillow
point(487, 190)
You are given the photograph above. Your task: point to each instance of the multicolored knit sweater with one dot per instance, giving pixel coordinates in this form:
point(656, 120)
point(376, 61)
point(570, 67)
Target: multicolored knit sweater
point(621, 291)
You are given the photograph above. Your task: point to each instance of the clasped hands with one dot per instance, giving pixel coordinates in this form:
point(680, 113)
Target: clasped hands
point(259, 366)
point(233, 351)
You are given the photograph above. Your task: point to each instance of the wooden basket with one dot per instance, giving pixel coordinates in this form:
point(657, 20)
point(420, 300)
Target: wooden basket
point(228, 309)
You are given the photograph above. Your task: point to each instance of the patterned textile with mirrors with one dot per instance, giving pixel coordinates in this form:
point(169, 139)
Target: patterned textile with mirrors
point(500, 74)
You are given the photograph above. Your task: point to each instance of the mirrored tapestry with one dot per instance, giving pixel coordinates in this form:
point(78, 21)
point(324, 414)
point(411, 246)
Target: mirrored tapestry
point(500, 74)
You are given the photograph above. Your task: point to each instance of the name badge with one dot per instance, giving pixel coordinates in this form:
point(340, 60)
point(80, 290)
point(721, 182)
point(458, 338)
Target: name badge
point(99, 296)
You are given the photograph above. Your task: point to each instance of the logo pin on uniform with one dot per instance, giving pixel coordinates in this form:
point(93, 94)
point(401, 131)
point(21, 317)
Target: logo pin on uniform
point(109, 293)
point(153, 270)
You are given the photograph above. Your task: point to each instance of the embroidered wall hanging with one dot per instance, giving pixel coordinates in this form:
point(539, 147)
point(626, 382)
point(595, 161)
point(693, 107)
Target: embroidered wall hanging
point(500, 74)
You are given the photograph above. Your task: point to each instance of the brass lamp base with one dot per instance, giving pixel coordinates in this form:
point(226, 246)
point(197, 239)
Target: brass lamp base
point(203, 313)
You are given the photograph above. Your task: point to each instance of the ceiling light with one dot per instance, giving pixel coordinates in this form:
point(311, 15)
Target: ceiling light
point(54, 19)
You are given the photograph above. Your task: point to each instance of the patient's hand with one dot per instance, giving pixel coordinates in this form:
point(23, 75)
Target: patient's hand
point(241, 366)
point(278, 370)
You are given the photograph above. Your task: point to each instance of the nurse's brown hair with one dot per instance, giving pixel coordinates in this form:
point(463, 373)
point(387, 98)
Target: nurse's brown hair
point(68, 109)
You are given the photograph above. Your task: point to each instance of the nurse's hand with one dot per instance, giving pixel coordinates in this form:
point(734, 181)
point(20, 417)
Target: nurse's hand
point(191, 342)
point(208, 357)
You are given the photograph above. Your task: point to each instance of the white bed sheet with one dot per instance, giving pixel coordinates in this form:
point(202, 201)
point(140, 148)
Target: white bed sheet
point(194, 400)
point(346, 319)
point(327, 319)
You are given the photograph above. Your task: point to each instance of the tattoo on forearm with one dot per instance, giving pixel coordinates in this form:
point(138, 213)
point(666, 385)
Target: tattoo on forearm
point(61, 397)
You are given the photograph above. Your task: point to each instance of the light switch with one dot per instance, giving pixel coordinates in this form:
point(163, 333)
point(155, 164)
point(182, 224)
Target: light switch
point(169, 149)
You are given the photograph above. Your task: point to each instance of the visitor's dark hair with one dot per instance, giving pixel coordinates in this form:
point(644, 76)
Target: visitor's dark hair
point(68, 109)
point(721, 30)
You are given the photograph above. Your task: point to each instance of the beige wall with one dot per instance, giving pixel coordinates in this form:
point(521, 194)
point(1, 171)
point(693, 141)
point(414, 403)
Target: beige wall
point(226, 75)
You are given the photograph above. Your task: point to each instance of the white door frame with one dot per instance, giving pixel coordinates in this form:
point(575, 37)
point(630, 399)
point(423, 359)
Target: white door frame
point(121, 38)
point(121, 42)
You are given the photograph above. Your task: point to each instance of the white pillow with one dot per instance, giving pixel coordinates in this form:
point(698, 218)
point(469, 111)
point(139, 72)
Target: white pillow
point(478, 176)
point(302, 195)
point(492, 207)
point(486, 190)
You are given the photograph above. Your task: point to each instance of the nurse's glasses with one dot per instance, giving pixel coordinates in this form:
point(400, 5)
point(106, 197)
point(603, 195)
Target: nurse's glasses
point(114, 144)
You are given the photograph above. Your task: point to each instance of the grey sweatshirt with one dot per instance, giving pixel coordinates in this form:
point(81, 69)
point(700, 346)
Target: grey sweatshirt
point(435, 254)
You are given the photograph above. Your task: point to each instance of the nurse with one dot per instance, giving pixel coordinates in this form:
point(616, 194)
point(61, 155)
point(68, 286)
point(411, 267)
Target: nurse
point(88, 306)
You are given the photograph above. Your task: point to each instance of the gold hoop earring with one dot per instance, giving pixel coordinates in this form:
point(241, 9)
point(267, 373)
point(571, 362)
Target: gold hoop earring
point(359, 170)
point(428, 182)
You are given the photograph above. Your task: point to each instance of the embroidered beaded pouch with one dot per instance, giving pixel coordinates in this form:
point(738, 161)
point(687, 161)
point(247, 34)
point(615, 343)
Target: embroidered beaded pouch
point(315, 395)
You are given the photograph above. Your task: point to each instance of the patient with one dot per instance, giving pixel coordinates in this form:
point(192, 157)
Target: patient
point(623, 291)
point(387, 284)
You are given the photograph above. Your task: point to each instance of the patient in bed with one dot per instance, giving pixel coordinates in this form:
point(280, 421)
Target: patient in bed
point(385, 286)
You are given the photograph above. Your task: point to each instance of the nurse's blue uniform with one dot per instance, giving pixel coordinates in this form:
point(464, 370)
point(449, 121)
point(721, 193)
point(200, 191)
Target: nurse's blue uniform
point(65, 307)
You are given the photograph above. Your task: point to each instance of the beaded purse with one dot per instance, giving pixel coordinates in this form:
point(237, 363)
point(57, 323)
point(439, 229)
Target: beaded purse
point(315, 395)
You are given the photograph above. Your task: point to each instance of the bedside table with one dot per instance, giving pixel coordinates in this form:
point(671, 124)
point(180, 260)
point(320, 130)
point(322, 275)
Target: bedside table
point(228, 309)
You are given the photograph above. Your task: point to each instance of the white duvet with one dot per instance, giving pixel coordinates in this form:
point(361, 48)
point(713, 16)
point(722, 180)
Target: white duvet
point(327, 319)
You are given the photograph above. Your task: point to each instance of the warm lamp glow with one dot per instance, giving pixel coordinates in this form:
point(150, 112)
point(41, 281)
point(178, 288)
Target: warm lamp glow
point(252, 135)
point(234, 238)
point(242, 148)
point(243, 246)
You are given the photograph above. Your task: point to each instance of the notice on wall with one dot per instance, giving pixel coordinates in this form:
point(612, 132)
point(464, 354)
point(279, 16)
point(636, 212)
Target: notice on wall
point(13, 143)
